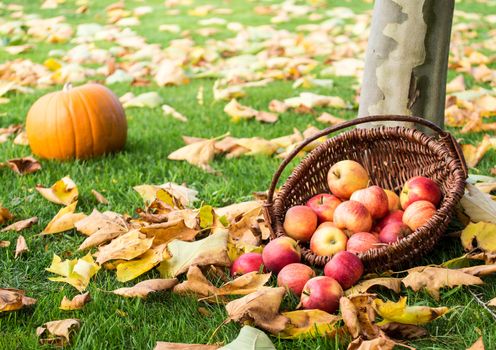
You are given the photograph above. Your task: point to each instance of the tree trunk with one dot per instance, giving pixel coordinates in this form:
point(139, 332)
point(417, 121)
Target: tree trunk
point(407, 59)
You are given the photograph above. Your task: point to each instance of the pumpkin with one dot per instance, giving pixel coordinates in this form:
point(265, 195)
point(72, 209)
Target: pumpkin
point(80, 122)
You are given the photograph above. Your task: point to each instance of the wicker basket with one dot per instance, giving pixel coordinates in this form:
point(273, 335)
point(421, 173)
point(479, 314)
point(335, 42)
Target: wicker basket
point(391, 155)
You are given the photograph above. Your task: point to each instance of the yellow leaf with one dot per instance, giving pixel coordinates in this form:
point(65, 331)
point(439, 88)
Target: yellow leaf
point(142, 289)
point(257, 145)
point(52, 64)
point(167, 231)
point(62, 192)
point(199, 154)
point(478, 205)
point(128, 246)
point(400, 312)
point(14, 299)
point(309, 324)
point(76, 303)
point(330, 119)
point(5, 215)
point(474, 154)
point(208, 251)
point(129, 270)
point(76, 272)
point(64, 220)
point(206, 216)
point(481, 235)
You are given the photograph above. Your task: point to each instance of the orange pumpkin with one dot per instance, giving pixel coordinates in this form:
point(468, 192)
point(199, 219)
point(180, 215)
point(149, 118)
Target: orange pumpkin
point(80, 122)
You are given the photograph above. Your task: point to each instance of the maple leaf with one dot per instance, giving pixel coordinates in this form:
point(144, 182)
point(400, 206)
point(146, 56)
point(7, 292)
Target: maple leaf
point(144, 288)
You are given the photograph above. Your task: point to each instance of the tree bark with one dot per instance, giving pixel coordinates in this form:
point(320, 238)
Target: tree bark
point(407, 59)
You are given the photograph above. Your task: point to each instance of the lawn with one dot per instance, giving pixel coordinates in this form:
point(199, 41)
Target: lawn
point(111, 322)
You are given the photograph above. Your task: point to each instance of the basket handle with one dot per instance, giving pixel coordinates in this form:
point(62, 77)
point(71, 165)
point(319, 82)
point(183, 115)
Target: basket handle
point(377, 118)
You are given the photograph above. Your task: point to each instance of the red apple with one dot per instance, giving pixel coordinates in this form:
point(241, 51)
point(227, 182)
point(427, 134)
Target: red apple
point(328, 240)
point(374, 199)
point(300, 223)
point(418, 213)
point(393, 200)
point(247, 262)
point(420, 188)
point(361, 242)
point(345, 177)
point(344, 267)
point(321, 293)
point(280, 252)
point(353, 216)
point(324, 205)
point(294, 276)
point(394, 216)
point(393, 232)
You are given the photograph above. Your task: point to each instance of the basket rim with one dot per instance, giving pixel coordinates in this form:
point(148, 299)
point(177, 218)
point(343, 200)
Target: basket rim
point(439, 221)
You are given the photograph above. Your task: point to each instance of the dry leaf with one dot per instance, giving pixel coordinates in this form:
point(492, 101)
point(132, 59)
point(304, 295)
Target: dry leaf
point(208, 251)
point(4, 244)
point(359, 315)
point(309, 324)
point(380, 343)
point(180, 346)
point(5, 215)
point(64, 220)
point(21, 225)
point(62, 192)
point(403, 331)
point(21, 246)
point(480, 270)
point(481, 236)
point(57, 332)
point(169, 111)
point(76, 303)
point(129, 270)
point(199, 154)
point(196, 284)
point(168, 231)
point(478, 205)
point(100, 227)
point(474, 154)
point(142, 289)
point(478, 345)
point(330, 119)
point(170, 73)
point(492, 302)
point(76, 272)
point(99, 197)
point(257, 145)
point(14, 299)
point(126, 247)
point(181, 194)
point(261, 308)
point(145, 100)
point(456, 85)
point(400, 312)
point(363, 287)
point(22, 139)
point(311, 100)
point(22, 166)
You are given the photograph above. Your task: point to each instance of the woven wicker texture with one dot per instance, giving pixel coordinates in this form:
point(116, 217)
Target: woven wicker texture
point(391, 155)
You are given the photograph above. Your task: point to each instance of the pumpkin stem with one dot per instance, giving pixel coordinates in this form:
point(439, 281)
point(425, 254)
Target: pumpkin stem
point(67, 87)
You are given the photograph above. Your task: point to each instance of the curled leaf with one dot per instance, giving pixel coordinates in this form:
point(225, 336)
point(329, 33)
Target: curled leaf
point(14, 299)
point(200, 154)
point(76, 303)
point(100, 198)
point(62, 192)
point(309, 324)
point(64, 220)
point(363, 287)
point(142, 289)
point(129, 270)
point(22, 166)
point(21, 225)
point(481, 235)
point(100, 227)
point(400, 312)
point(126, 247)
point(478, 205)
point(76, 272)
point(5, 215)
point(21, 246)
point(57, 332)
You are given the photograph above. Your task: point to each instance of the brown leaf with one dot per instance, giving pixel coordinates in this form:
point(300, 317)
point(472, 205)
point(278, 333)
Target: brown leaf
point(76, 303)
point(309, 324)
point(14, 299)
point(474, 154)
point(478, 345)
point(57, 332)
point(21, 225)
point(5, 215)
point(380, 343)
point(199, 154)
point(330, 119)
point(99, 197)
point(167, 231)
point(456, 85)
point(4, 244)
point(100, 227)
point(177, 346)
point(359, 315)
point(64, 220)
point(480, 270)
point(21, 246)
point(142, 289)
point(363, 287)
point(261, 308)
point(435, 278)
point(9, 130)
point(22, 166)
point(492, 302)
point(126, 247)
point(403, 331)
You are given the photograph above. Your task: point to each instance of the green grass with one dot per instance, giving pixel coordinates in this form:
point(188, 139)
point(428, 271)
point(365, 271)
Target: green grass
point(112, 322)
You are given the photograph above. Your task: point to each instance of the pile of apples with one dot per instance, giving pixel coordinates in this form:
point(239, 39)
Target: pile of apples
point(352, 219)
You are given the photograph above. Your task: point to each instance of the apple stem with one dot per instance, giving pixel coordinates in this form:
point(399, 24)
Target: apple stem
point(321, 200)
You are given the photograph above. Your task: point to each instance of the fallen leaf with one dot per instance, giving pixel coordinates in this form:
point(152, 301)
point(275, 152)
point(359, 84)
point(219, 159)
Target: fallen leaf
point(169, 111)
point(380, 343)
point(250, 338)
point(22, 139)
point(474, 154)
point(168, 231)
point(311, 100)
point(11, 129)
point(208, 251)
point(4, 244)
point(480, 270)
point(196, 284)
point(76, 272)
point(21, 225)
point(199, 154)
point(76, 303)
point(180, 193)
point(403, 331)
point(145, 100)
point(170, 73)
point(400, 312)
point(330, 119)
point(363, 287)
point(492, 302)
point(481, 236)
point(261, 308)
point(206, 216)
point(182, 346)
point(99, 197)
point(129, 270)
point(309, 324)
point(14, 299)
point(456, 85)
point(5, 215)
point(238, 112)
point(359, 315)
point(22, 166)
point(126, 247)
point(478, 205)
point(62, 192)
point(257, 145)
point(57, 332)
point(64, 220)
point(142, 289)
point(478, 345)
point(100, 227)
point(21, 246)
